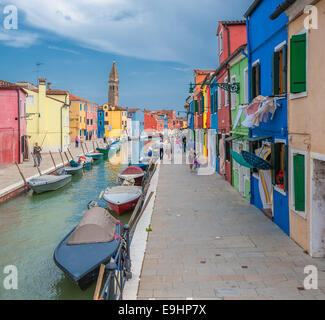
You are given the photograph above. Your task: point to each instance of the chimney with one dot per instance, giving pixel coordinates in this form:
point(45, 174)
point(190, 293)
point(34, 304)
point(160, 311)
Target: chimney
point(42, 87)
point(49, 86)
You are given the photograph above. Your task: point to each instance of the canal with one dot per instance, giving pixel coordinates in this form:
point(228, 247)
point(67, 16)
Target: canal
point(32, 225)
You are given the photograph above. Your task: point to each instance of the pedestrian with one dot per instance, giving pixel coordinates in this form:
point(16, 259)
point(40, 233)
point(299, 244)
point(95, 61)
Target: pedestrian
point(104, 138)
point(184, 144)
point(161, 147)
point(196, 161)
point(191, 159)
point(178, 145)
point(37, 154)
point(77, 141)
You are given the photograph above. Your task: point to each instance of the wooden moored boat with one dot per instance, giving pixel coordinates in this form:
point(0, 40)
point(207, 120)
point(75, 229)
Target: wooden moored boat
point(46, 183)
point(132, 172)
point(93, 242)
point(85, 161)
point(121, 199)
point(104, 151)
point(94, 155)
point(70, 170)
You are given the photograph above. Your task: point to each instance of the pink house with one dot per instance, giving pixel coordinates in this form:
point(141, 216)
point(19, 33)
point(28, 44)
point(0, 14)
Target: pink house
point(13, 139)
point(92, 120)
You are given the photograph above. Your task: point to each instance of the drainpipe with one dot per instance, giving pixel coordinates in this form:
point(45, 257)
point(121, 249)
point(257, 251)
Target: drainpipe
point(19, 143)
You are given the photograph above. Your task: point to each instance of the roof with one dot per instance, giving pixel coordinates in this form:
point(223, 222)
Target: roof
point(9, 85)
point(281, 8)
point(73, 97)
point(252, 8)
point(202, 72)
point(133, 110)
point(234, 54)
point(232, 22)
point(57, 92)
point(113, 74)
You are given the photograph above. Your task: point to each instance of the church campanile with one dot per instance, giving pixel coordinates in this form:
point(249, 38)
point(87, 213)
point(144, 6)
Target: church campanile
point(113, 83)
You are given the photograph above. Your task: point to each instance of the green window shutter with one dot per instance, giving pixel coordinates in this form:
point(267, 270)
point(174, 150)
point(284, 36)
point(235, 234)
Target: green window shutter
point(195, 106)
point(286, 168)
point(275, 73)
point(202, 105)
point(299, 181)
point(285, 67)
point(298, 63)
point(216, 101)
point(275, 160)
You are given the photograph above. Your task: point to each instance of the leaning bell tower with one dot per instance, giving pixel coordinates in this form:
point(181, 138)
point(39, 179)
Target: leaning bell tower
point(113, 83)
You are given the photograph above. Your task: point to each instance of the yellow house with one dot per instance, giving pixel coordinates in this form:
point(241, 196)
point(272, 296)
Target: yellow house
point(115, 121)
point(47, 115)
point(78, 118)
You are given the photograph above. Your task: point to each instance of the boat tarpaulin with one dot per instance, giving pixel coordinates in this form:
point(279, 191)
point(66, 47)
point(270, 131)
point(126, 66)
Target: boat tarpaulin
point(240, 159)
point(97, 225)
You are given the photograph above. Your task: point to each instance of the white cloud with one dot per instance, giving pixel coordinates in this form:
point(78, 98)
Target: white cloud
point(170, 30)
point(18, 39)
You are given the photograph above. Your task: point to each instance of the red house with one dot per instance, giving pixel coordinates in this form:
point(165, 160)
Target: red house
point(231, 35)
point(13, 139)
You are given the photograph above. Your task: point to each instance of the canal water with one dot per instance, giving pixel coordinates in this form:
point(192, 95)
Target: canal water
point(32, 225)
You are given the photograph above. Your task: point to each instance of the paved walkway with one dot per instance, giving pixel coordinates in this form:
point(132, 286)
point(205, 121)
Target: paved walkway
point(10, 179)
point(210, 243)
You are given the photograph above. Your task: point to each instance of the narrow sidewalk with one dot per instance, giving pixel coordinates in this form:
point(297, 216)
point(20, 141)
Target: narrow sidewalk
point(207, 242)
point(11, 180)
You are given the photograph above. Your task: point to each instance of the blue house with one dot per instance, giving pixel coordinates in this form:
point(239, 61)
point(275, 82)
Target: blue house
point(137, 116)
point(267, 63)
point(214, 115)
point(100, 122)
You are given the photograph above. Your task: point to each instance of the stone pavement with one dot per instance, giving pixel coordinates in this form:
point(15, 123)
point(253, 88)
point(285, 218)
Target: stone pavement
point(207, 242)
point(10, 179)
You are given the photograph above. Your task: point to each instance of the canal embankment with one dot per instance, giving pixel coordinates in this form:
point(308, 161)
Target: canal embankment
point(11, 181)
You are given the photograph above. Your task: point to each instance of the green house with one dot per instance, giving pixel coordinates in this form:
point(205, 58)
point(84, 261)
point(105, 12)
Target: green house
point(239, 102)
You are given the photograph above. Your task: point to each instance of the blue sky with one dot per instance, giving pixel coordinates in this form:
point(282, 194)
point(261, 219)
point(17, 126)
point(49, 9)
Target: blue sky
point(156, 45)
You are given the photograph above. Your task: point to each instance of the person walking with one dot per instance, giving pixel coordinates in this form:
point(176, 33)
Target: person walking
point(77, 141)
point(37, 154)
point(184, 144)
point(161, 148)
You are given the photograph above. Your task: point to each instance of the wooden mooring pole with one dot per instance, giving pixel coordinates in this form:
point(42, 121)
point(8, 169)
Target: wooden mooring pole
point(21, 173)
point(63, 164)
point(86, 147)
point(70, 154)
point(82, 148)
point(67, 157)
point(99, 281)
point(52, 159)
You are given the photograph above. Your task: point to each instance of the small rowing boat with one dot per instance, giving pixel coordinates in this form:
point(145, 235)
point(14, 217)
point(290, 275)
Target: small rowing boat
point(131, 172)
point(49, 182)
point(94, 155)
point(121, 199)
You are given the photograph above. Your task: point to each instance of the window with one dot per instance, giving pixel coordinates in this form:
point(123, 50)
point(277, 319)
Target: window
point(298, 63)
point(226, 93)
point(80, 133)
point(100, 122)
point(106, 123)
point(279, 70)
point(256, 80)
point(246, 86)
point(196, 106)
point(298, 182)
point(80, 107)
point(87, 121)
point(220, 42)
point(233, 95)
point(106, 114)
point(218, 138)
point(216, 101)
point(202, 104)
point(219, 98)
point(279, 161)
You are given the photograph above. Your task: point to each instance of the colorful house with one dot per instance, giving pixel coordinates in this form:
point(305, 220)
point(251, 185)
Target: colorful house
point(13, 139)
point(47, 114)
point(240, 134)
point(137, 116)
point(231, 35)
point(306, 120)
point(83, 119)
point(267, 64)
point(100, 122)
point(115, 121)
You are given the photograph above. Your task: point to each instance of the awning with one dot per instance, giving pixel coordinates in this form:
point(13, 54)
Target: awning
point(258, 138)
point(256, 161)
point(240, 159)
point(232, 138)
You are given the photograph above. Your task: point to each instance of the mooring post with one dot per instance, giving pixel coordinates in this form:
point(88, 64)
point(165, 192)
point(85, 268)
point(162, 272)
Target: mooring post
point(128, 259)
point(21, 173)
point(82, 148)
point(52, 159)
point(63, 164)
point(66, 156)
point(86, 147)
point(94, 146)
point(70, 153)
point(111, 274)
